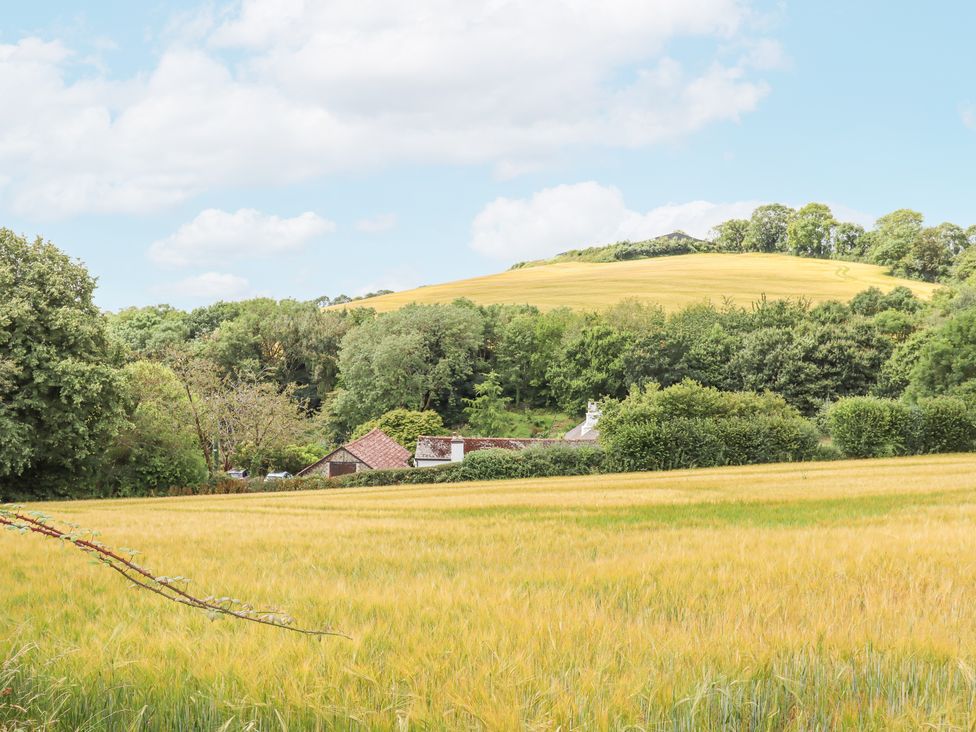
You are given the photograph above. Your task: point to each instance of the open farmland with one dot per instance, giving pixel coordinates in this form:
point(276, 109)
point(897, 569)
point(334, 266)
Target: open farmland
point(673, 282)
point(805, 596)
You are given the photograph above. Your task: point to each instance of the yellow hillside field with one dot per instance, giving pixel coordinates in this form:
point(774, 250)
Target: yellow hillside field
point(784, 597)
point(673, 282)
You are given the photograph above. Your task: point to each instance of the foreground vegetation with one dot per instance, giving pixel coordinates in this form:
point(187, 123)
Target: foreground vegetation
point(789, 597)
point(671, 282)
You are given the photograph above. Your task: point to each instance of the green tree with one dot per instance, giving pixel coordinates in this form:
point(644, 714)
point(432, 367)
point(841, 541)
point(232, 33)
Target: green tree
point(526, 345)
point(61, 399)
point(157, 449)
point(238, 420)
point(203, 321)
point(404, 426)
point(811, 231)
point(965, 266)
point(814, 363)
point(148, 332)
point(294, 344)
point(947, 359)
point(419, 357)
point(929, 257)
point(893, 236)
point(767, 230)
point(850, 241)
point(896, 373)
point(730, 236)
point(952, 237)
point(592, 364)
point(698, 344)
point(486, 411)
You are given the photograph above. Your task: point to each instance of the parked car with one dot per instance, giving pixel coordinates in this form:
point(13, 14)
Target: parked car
point(237, 474)
point(283, 475)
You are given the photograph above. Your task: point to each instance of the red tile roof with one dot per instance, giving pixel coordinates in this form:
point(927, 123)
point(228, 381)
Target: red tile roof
point(379, 451)
point(375, 449)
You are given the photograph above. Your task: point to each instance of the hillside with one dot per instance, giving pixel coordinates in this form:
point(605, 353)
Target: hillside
point(671, 281)
point(669, 245)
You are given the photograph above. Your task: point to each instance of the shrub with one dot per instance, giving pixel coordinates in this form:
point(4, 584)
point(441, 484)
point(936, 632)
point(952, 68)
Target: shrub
point(827, 451)
point(663, 445)
point(871, 427)
point(944, 424)
point(688, 425)
point(764, 439)
point(542, 462)
point(401, 476)
point(493, 464)
point(404, 426)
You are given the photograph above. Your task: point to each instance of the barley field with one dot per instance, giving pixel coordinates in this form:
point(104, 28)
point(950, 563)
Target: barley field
point(672, 282)
point(779, 597)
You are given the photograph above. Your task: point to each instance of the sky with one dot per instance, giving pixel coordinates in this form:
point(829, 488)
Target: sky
point(192, 151)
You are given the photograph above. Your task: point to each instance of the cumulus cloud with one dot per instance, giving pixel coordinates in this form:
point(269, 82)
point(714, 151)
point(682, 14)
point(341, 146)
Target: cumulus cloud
point(566, 217)
point(215, 236)
point(278, 91)
point(377, 224)
point(207, 286)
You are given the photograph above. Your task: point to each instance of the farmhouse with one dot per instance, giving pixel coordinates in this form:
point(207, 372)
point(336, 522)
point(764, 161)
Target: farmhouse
point(373, 451)
point(587, 430)
point(437, 450)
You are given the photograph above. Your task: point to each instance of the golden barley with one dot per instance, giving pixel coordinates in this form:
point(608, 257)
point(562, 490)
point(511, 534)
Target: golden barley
point(806, 596)
point(672, 282)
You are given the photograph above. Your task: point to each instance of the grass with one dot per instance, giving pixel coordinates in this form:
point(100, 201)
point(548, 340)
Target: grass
point(777, 597)
point(672, 282)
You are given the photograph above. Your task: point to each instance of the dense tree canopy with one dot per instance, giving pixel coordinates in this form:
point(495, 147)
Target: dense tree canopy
point(811, 230)
point(768, 229)
point(61, 398)
point(419, 358)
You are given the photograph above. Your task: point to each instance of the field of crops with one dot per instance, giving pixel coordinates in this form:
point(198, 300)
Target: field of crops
point(673, 282)
point(807, 596)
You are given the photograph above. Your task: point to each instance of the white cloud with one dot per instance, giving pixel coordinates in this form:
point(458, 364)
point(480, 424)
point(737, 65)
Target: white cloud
point(377, 224)
point(207, 286)
point(766, 54)
point(275, 92)
point(216, 236)
point(566, 217)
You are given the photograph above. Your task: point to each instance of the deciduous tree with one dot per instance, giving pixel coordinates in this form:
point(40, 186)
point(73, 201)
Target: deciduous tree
point(811, 231)
point(419, 357)
point(767, 230)
point(61, 398)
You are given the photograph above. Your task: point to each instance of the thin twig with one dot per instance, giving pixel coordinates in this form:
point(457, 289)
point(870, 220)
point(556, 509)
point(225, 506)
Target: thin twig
point(141, 577)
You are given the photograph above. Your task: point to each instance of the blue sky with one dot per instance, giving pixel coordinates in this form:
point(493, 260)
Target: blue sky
point(192, 151)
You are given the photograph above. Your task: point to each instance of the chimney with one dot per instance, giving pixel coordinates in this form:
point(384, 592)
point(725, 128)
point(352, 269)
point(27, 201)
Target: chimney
point(593, 414)
point(457, 449)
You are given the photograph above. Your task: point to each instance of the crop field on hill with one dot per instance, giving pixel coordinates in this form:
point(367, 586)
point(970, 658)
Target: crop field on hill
point(804, 596)
point(672, 282)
